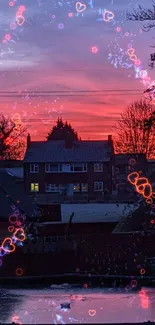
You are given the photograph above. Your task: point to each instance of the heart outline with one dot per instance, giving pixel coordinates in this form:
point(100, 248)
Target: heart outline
point(20, 20)
point(110, 15)
point(10, 244)
point(81, 5)
point(136, 177)
point(16, 234)
point(92, 312)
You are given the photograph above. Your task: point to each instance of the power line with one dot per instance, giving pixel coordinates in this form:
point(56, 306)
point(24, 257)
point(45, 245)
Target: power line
point(70, 93)
point(50, 71)
point(78, 95)
point(66, 91)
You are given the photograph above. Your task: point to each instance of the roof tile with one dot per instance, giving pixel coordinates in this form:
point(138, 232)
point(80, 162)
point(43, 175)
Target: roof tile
point(55, 151)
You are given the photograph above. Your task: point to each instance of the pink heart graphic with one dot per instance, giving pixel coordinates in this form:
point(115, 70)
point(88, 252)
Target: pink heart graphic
point(131, 51)
point(108, 15)
point(8, 245)
point(92, 312)
point(19, 234)
point(80, 7)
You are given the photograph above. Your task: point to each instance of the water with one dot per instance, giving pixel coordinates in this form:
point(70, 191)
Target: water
point(36, 306)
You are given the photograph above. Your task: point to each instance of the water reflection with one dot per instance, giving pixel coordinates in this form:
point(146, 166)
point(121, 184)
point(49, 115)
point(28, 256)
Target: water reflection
point(86, 306)
point(9, 302)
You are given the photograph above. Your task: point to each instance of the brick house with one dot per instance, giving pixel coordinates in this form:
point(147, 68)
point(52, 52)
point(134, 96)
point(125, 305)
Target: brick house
point(56, 170)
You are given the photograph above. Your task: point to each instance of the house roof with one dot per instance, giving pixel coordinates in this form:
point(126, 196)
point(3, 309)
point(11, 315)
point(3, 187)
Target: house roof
point(55, 151)
point(135, 220)
point(12, 191)
point(16, 171)
point(125, 158)
point(94, 213)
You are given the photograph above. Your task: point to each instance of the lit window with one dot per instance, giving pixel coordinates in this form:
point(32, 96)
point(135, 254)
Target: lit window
point(34, 187)
point(98, 186)
point(84, 187)
point(98, 168)
point(34, 168)
point(77, 187)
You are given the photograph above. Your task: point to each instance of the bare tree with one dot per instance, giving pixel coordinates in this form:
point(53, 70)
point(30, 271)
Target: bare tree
point(12, 144)
point(147, 15)
point(135, 131)
point(142, 14)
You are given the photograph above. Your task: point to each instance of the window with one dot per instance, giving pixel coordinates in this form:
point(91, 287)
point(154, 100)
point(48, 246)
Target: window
point(98, 168)
point(84, 187)
point(78, 168)
point(34, 168)
point(52, 168)
point(98, 186)
point(117, 170)
point(76, 187)
point(66, 168)
point(34, 187)
point(52, 188)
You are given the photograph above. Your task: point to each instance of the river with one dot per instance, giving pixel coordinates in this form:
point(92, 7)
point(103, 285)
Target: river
point(36, 306)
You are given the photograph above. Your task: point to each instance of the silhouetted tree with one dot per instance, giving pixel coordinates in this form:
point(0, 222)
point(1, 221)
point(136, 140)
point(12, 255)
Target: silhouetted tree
point(12, 143)
point(134, 132)
point(62, 131)
point(147, 15)
point(143, 14)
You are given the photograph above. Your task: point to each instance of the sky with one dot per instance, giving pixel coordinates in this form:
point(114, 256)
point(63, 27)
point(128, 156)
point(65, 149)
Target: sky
point(80, 56)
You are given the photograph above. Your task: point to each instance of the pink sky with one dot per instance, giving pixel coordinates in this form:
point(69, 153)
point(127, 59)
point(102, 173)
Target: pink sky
point(43, 57)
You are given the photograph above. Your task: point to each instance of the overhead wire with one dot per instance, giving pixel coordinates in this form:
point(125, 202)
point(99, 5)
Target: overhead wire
point(70, 93)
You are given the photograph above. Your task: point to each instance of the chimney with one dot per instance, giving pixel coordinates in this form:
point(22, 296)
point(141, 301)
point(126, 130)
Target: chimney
point(68, 143)
point(110, 140)
point(28, 140)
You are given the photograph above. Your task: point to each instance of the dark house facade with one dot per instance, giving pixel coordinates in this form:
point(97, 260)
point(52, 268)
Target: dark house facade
point(124, 165)
point(70, 170)
point(151, 172)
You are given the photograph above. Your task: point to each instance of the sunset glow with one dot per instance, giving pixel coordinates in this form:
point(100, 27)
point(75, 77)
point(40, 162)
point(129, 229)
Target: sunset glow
point(77, 61)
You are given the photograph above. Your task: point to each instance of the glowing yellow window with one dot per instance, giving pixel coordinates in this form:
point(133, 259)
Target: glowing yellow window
point(76, 187)
point(34, 187)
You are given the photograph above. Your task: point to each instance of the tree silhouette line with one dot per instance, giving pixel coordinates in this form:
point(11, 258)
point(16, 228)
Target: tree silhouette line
point(134, 132)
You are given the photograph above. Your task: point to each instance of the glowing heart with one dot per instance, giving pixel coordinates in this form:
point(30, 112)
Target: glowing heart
point(108, 15)
point(92, 312)
point(8, 245)
point(19, 234)
point(133, 178)
point(147, 193)
point(142, 181)
point(20, 20)
point(80, 7)
point(133, 57)
point(131, 52)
